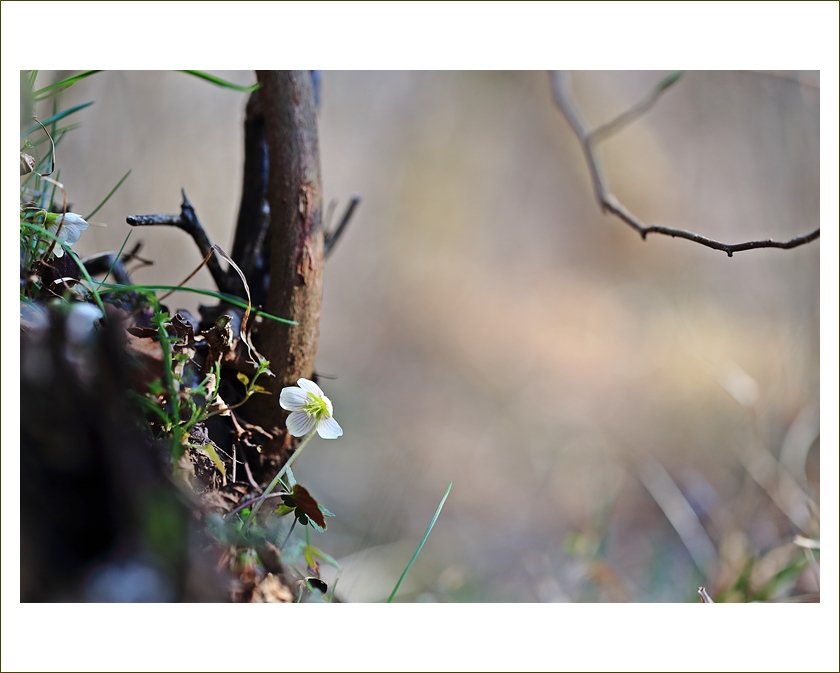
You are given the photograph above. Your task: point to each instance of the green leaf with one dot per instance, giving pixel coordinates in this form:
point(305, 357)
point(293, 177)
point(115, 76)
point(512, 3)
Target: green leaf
point(309, 556)
point(314, 551)
point(221, 82)
point(56, 117)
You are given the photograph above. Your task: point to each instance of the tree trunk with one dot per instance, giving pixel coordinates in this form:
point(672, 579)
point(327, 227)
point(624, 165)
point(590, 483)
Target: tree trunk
point(297, 247)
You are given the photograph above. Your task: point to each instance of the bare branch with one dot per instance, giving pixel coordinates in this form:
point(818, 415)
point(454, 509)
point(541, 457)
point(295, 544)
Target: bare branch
point(187, 221)
point(608, 201)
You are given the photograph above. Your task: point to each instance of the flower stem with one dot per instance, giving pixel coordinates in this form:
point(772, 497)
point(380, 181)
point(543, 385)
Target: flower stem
point(276, 479)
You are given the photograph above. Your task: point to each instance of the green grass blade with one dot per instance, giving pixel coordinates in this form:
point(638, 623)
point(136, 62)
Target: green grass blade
point(670, 80)
point(422, 542)
point(116, 259)
point(54, 124)
point(331, 594)
point(210, 451)
point(48, 204)
point(221, 82)
point(59, 134)
point(32, 75)
point(63, 85)
point(159, 319)
point(230, 299)
point(56, 117)
point(110, 194)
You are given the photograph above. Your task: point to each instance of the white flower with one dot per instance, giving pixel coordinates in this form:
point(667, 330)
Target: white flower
point(71, 229)
point(309, 406)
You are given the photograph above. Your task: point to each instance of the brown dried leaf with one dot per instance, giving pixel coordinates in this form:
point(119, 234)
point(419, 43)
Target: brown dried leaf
point(27, 163)
point(183, 329)
point(271, 590)
point(148, 355)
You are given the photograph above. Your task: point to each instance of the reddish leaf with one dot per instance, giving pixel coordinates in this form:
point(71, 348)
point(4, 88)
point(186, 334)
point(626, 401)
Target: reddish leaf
point(308, 505)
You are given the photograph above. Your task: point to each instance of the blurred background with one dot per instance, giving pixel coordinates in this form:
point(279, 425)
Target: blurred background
point(622, 420)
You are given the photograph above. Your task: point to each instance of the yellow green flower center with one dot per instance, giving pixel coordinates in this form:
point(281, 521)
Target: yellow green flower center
point(316, 406)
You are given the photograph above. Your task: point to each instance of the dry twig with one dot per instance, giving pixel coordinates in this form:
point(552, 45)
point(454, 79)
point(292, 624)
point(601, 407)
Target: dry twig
point(331, 237)
point(608, 201)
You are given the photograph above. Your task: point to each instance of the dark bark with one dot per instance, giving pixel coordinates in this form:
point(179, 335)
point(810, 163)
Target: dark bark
point(251, 242)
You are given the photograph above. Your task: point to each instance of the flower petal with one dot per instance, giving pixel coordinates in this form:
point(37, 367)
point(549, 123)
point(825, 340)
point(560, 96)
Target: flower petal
point(293, 399)
point(300, 423)
point(328, 403)
point(75, 220)
point(328, 428)
point(310, 387)
point(70, 233)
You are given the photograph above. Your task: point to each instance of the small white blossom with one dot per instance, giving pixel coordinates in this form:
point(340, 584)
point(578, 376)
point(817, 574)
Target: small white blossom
point(71, 229)
point(310, 409)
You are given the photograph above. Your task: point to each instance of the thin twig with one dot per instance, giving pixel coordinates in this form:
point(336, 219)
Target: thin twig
point(609, 202)
point(636, 111)
point(250, 476)
point(331, 238)
point(271, 486)
point(251, 501)
point(704, 595)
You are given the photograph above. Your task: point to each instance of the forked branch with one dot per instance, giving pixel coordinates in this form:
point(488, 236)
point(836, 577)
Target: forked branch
point(608, 201)
point(187, 221)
